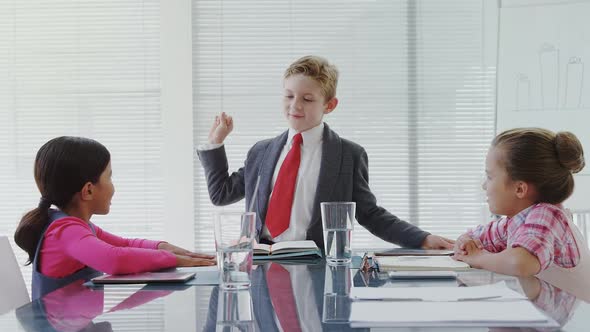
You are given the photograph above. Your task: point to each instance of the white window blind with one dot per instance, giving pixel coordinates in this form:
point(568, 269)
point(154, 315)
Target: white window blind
point(416, 90)
point(84, 68)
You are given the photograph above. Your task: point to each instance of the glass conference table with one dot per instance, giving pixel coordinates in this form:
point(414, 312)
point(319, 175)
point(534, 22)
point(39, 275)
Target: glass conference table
point(290, 296)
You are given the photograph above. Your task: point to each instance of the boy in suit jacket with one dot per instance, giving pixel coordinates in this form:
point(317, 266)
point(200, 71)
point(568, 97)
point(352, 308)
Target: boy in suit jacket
point(304, 166)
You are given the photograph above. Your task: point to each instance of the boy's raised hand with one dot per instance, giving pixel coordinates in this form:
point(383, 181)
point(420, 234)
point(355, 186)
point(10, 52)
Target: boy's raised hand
point(222, 126)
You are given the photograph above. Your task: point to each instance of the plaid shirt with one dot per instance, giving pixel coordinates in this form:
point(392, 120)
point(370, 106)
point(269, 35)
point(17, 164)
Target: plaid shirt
point(542, 229)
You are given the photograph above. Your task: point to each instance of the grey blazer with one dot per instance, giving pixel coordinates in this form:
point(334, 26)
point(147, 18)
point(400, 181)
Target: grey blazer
point(344, 176)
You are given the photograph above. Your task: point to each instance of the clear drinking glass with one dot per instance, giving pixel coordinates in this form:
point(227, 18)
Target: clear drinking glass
point(234, 238)
point(337, 222)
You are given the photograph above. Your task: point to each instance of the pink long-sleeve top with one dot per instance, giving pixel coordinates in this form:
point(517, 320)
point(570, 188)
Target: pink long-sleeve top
point(69, 245)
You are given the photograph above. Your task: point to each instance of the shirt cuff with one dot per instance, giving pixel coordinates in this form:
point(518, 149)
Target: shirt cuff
point(209, 146)
point(474, 232)
point(536, 249)
point(151, 244)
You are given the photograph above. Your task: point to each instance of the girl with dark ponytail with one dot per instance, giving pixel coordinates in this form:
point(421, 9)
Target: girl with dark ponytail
point(74, 175)
point(529, 174)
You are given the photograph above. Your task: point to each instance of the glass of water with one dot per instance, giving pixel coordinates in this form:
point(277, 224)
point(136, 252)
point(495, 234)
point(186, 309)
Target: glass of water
point(234, 238)
point(337, 222)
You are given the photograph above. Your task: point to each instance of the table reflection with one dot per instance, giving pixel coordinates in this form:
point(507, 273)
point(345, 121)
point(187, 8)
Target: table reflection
point(284, 296)
point(73, 308)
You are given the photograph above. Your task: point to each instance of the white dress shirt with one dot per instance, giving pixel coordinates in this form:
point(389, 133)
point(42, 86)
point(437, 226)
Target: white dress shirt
point(307, 183)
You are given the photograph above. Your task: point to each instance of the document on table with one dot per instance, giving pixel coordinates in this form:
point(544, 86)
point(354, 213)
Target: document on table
point(421, 263)
point(488, 305)
point(497, 291)
point(518, 313)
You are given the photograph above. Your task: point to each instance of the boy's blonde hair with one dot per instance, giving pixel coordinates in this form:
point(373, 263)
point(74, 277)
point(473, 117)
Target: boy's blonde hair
point(318, 69)
point(543, 158)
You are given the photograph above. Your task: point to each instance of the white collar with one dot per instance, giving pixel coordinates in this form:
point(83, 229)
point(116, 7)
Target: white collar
point(310, 137)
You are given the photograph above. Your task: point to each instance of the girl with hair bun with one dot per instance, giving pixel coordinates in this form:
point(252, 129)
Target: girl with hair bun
point(529, 173)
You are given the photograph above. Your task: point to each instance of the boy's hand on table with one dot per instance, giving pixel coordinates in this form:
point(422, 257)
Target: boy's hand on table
point(437, 242)
point(222, 126)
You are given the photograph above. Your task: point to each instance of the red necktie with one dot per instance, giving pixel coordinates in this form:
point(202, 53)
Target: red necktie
point(281, 296)
point(281, 201)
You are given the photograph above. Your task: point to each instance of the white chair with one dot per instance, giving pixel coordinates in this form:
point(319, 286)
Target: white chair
point(581, 218)
point(12, 285)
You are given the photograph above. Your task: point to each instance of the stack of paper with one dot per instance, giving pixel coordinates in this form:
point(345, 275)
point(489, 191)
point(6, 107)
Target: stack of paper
point(414, 252)
point(498, 291)
point(420, 263)
point(489, 305)
point(461, 313)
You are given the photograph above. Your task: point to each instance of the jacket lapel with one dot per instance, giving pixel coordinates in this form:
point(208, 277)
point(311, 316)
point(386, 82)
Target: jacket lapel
point(267, 168)
point(329, 172)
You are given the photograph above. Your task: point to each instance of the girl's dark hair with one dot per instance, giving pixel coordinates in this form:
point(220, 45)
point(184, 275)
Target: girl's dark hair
point(62, 167)
point(543, 158)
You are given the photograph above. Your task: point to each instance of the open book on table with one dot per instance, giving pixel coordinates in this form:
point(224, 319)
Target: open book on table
point(287, 249)
point(420, 263)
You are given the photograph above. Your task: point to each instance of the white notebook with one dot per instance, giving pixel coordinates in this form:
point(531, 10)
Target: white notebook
point(420, 263)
